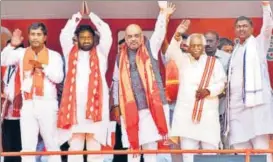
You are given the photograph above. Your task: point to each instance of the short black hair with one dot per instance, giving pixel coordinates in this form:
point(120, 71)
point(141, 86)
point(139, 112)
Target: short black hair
point(121, 41)
point(224, 42)
point(242, 18)
point(214, 33)
point(19, 46)
point(38, 25)
point(184, 36)
point(84, 27)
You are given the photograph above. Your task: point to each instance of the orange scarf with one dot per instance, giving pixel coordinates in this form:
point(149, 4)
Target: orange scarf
point(172, 81)
point(68, 109)
point(17, 102)
point(127, 101)
point(38, 79)
point(198, 105)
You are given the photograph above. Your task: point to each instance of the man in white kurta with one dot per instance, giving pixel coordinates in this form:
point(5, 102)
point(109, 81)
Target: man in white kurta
point(95, 133)
point(250, 120)
point(39, 113)
point(206, 132)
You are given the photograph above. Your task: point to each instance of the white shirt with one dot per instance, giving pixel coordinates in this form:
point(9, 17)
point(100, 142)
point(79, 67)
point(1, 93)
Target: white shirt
point(53, 71)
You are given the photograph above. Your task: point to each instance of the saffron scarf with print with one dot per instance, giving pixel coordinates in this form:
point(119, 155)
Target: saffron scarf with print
point(67, 114)
point(128, 105)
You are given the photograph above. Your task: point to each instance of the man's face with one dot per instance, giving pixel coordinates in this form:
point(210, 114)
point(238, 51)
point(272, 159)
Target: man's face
point(133, 37)
point(183, 46)
point(36, 37)
point(212, 42)
point(75, 40)
point(227, 48)
point(243, 29)
point(85, 40)
point(196, 47)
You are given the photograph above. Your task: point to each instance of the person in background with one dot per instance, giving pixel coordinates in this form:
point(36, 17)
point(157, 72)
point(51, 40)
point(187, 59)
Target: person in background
point(226, 45)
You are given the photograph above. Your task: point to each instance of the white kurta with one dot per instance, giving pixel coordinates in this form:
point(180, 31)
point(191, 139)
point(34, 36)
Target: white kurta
point(248, 122)
point(53, 71)
point(190, 74)
point(148, 132)
point(82, 78)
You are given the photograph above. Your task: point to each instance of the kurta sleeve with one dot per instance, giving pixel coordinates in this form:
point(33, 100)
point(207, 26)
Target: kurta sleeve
point(175, 53)
point(266, 31)
point(54, 70)
point(218, 80)
point(158, 34)
point(116, 85)
point(67, 34)
point(106, 39)
point(10, 56)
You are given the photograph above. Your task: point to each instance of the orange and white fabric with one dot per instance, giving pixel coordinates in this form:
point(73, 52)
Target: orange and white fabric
point(171, 81)
point(82, 64)
point(190, 74)
point(11, 89)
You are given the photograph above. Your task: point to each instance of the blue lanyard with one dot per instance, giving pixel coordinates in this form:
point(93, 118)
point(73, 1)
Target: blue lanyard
point(11, 70)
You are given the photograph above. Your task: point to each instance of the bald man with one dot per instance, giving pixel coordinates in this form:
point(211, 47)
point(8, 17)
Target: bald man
point(196, 115)
point(138, 89)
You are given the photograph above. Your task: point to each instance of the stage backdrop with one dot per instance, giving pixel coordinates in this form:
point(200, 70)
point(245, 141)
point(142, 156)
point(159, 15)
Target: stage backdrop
point(224, 26)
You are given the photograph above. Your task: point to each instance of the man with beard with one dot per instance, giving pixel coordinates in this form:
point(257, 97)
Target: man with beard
point(40, 71)
point(84, 109)
point(250, 113)
point(202, 79)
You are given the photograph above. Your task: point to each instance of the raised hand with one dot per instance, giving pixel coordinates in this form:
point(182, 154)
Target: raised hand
point(84, 8)
point(16, 38)
point(169, 10)
point(183, 26)
point(265, 3)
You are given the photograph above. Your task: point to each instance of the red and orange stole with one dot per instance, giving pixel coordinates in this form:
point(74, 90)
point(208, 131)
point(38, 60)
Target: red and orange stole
point(67, 113)
point(198, 105)
point(172, 81)
point(38, 79)
point(127, 101)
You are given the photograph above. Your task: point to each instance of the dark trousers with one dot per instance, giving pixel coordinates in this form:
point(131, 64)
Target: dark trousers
point(11, 138)
point(118, 146)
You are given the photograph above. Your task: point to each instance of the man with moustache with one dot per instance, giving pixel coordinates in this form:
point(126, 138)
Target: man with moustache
point(250, 113)
point(202, 78)
point(84, 109)
point(40, 71)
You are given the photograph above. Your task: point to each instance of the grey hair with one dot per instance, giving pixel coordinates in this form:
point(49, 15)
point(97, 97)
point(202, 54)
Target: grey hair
point(6, 31)
point(204, 42)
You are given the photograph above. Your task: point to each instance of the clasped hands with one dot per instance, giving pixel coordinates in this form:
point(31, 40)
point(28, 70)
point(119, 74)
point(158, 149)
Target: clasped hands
point(202, 93)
